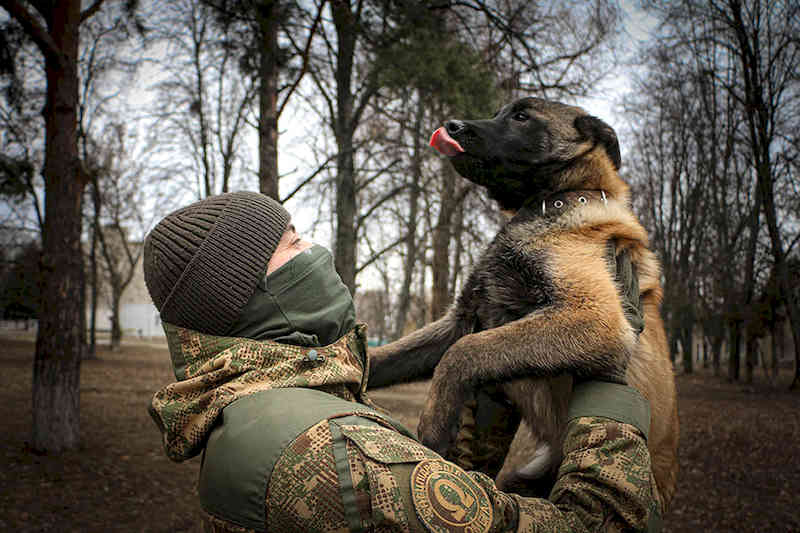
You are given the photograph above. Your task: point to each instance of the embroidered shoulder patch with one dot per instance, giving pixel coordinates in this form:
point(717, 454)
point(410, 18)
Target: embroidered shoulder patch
point(446, 499)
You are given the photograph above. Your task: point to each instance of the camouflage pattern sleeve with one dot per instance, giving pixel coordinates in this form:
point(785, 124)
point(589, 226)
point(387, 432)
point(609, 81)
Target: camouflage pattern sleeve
point(604, 484)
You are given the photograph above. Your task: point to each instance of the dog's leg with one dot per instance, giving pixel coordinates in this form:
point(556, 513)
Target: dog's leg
point(535, 453)
point(413, 356)
point(584, 334)
point(416, 355)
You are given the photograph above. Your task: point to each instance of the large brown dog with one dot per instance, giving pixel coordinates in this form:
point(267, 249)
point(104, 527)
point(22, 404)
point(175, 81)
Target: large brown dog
point(545, 298)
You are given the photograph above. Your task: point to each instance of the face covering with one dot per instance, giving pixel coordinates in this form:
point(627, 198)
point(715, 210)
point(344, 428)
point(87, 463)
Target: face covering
point(304, 302)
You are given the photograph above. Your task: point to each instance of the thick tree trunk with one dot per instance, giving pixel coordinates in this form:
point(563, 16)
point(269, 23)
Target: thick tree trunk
point(442, 235)
point(344, 129)
point(268, 100)
point(56, 368)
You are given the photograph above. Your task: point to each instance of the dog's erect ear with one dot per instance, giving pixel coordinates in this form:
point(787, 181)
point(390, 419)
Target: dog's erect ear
point(598, 130)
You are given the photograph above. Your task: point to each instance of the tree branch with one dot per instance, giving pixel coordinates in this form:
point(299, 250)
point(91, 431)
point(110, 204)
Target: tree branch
point(379, 253)
point(91, 10)
point(385, 198)
point(305, 56)
point(35, 30)
point(313, 175)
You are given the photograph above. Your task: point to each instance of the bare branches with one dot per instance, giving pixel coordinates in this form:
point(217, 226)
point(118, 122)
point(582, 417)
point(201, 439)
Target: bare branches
point(36, 30)
point(91, 10)
point(305, 57)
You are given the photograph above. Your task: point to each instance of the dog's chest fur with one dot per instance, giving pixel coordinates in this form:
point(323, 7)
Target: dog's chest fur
point(514, 277)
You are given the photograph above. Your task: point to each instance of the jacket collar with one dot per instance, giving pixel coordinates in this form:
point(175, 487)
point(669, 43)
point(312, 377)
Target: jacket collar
point(214, 371)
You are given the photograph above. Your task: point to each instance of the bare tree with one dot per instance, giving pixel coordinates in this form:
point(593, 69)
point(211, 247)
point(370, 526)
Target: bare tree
point(55, 29)
point(105, 58)
point(759, 41)
point(255, 28)
point(118, 183)
point(202, 107)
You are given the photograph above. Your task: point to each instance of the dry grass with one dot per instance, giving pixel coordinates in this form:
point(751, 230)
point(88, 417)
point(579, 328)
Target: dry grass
point(739, 453)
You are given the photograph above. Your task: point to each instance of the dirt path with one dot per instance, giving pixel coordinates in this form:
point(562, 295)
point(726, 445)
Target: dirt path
point(740, 453)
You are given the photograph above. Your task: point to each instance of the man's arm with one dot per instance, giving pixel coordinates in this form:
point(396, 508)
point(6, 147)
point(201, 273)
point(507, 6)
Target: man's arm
point(605, 482)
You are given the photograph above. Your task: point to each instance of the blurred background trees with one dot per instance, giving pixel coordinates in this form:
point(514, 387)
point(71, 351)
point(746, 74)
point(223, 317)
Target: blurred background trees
point(328, 105)
point(715, 163)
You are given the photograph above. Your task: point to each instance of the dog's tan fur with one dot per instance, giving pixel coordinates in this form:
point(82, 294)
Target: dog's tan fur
point(585, 324)
point(577, 251)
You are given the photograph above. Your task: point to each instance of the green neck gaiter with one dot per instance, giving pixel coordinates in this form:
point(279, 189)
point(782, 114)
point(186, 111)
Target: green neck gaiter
point(304, 302)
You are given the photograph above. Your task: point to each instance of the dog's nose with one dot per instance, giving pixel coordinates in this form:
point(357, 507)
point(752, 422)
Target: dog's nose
point(454, 126)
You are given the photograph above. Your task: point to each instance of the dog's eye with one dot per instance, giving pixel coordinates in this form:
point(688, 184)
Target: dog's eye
point(520, 116)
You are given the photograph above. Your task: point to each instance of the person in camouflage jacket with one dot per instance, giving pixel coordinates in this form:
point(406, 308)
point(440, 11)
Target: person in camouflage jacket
point(271, 373)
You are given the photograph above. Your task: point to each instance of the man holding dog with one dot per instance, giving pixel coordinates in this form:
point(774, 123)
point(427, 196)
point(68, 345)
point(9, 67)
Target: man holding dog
point(271, 372)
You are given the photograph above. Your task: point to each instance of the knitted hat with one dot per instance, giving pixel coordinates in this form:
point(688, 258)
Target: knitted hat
point(202, 262)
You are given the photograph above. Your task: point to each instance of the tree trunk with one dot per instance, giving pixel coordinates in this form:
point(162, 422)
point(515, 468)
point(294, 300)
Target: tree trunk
point(794, 322)
point(92, 353)
point(760, 73)
point(92, 349)
point(458, 237)
point(56, 368)
point(116, 327)
point(442, 234)
point(716, 347)
point(734, 350)
point(345, 245)
point(404, 299)
point(687, 332)
point(422, 314)
point(268, 100)
point(776, 338)
point(751, 358)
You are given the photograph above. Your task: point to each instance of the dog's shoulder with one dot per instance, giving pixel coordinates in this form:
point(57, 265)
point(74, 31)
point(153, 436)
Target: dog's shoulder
point(613, 219)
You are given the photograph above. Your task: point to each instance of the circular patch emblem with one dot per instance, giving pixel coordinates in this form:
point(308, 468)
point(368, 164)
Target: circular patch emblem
point(447, 499)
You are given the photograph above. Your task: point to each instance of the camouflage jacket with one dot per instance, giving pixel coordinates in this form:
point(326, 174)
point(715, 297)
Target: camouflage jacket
point(281, 456)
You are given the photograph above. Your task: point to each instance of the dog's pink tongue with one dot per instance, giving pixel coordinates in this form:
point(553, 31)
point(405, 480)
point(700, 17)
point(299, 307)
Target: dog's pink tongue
point(442, 141)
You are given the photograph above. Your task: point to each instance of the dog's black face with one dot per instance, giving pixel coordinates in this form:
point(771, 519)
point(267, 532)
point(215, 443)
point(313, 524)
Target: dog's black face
point(519, 152)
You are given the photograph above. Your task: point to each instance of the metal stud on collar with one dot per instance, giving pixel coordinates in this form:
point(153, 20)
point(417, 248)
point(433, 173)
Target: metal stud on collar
point(558, 204)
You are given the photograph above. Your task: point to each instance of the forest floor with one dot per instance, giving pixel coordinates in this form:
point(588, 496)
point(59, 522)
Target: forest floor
point(739, 452)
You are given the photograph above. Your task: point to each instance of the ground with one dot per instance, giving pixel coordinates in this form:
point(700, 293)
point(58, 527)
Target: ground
point(739, 453)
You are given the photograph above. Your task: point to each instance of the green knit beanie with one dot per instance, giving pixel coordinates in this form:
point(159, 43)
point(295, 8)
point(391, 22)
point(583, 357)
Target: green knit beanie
point(202, 262)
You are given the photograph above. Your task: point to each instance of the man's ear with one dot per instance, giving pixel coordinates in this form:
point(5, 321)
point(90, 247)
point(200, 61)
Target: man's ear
point(594, 128)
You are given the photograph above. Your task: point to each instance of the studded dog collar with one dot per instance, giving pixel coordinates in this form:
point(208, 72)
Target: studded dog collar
point(557, 203)
point(560, 200)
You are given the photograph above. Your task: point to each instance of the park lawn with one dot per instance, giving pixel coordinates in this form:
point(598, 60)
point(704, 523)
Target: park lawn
point(740, 452)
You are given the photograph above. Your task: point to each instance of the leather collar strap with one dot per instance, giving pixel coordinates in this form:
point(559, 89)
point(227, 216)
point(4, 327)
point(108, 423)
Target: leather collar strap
point(561, 200)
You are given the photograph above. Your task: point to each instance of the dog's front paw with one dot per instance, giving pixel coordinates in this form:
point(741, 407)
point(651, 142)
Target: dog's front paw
point(439, 423)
